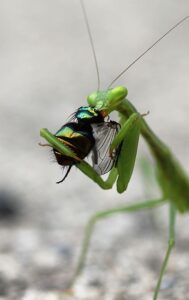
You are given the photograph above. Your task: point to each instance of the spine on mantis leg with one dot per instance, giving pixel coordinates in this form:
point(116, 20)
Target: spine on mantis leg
point(173, 180)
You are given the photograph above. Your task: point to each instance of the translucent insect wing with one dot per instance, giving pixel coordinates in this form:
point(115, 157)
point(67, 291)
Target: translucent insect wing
point(104, 134)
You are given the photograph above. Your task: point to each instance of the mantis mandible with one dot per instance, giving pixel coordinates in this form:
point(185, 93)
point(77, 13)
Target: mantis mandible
point(172, 179)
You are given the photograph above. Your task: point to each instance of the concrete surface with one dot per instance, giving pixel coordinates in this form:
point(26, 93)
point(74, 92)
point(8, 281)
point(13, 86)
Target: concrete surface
point(46, 72)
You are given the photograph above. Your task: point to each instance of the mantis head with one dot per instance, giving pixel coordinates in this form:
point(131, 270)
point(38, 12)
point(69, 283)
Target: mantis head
point(108, 100)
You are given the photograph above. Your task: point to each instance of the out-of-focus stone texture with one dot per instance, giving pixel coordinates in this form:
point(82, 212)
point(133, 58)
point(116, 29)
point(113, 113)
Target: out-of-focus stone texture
point(46, 72)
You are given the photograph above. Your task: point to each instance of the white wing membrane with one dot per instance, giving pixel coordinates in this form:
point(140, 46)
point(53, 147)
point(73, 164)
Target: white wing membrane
point(104, 134)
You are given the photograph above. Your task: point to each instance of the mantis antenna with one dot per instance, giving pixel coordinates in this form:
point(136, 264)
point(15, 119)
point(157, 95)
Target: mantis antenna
point(91, 41)
point(155, 43)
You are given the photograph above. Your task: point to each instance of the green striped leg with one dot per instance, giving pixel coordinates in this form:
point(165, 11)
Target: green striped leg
point(104, 214)
point(171, 242)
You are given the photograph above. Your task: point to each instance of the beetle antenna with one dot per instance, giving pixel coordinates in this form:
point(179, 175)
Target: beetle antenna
point(91, 42)
point(155, 43)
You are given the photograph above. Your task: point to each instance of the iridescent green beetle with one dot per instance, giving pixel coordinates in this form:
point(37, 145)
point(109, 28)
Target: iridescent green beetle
point(87, 132)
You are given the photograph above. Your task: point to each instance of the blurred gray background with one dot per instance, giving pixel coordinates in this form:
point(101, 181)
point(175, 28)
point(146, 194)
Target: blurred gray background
point(46, 72)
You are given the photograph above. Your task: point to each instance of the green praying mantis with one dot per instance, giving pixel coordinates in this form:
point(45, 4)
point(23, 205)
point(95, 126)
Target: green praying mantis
point(172, 179)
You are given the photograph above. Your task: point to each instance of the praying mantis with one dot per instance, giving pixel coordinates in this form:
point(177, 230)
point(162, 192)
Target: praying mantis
point(171, 177)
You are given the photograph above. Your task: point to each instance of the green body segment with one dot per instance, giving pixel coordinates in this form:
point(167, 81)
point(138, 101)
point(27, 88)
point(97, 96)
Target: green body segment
point(80, 141)
point(88, 115)
point(85, 113)
point(56, 144)
point(67, 132)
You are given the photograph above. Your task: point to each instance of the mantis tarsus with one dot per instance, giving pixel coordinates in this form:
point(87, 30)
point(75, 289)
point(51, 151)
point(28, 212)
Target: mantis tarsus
point(172, 179)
